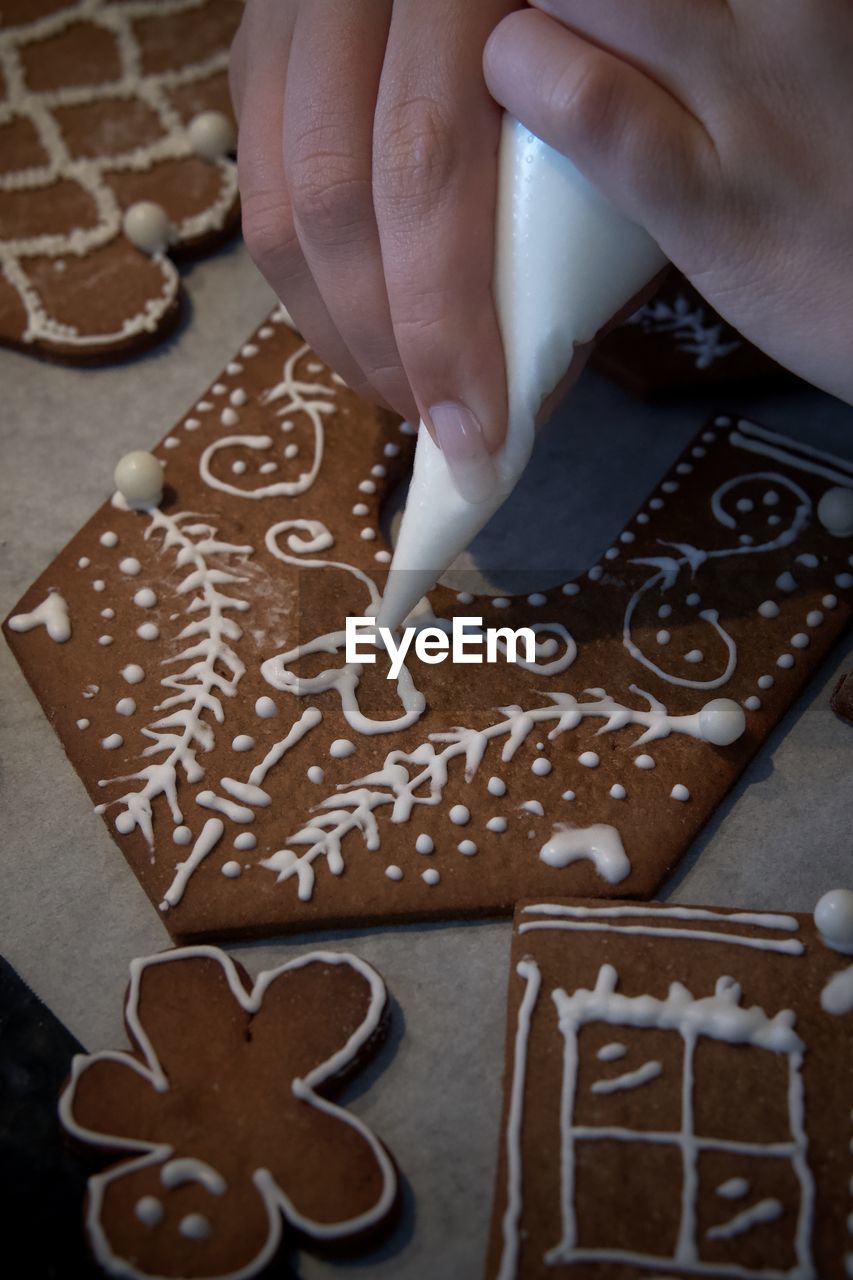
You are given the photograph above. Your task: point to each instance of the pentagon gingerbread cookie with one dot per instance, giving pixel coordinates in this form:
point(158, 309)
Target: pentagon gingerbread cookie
point(674, 1101)
point(219, 1121)
point(116, 136)
point(189, 645)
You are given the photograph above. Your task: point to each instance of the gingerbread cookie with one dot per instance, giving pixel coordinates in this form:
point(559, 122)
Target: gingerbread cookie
point(116, 136)
point(220, 1117)
point(673, 1098)
point(677, 343)
point(257, 782)
point(841, 700)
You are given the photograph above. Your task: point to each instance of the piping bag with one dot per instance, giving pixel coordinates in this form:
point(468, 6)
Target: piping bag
point(565, 263)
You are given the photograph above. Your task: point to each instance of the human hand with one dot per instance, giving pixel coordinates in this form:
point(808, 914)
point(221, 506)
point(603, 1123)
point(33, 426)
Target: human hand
point(724, 129)
point(367, 162)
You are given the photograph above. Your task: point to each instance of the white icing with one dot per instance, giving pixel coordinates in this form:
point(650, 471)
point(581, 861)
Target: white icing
point(211, 135)
point(680, 792)
point(112, 742)
point(756, 1215)
point(833, 917)
point(600, 843)
point(211, 834)
point(693, 330)
point(733, 1189)
point(130, 566)
point(83, 562)
point(596, 920)
point(459, 815)
point(194, 1226)
point(786, 581)
point(126, 706)
point(533, 806)
point(315, 774)
point(424, 844)
point(611, 1052)
point(341, 748)
point(149, 1210)
point(694, 656)
point(644, 762)
point(496, 786)
point(147, 227)
point(139, 479)
point(752, 703)
point(814, 618)
point(245, 840)
point(242, 742)
point(497, 824)
point(629, 1080)
point(565, 263)
point(800, 640)
point(393, 872)
point(617, 791)
point(182, 835)
point(589, 759)
point(133, 673)
point(835, 511)
point(148, 631)
point(766, 682)
point(541, 767)
point(52, 614)
point(663, 637)
point(837, 996)
point(430, 876)
point(83, 723)
point(528, 970)
point(145, 598)
point(266, 708)
point(185, 1169)
point(108, 539)
point(785, 661)
point(467, 847)
point(231, 870)
point(105, 640)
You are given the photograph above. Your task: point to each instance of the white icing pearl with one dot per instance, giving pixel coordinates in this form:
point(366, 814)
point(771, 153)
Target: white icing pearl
point(617, 791)
point(589, 760)
point(769, 609)
point(467, 847)
point(497, 824)
point(393, 872)
point(126, 706)
point(182, 835)
point(644, 762)
point(133, 673)
point(245, 840)
point(112, 742)
point(459, 815)
point(109, 539)
point(541, 767)
point(341, 748)
point(131, 566)
point(568, 795)
point(211, 135)
point(424, 843)
point(149, 1210)
point(752, 703)
point(145, 598)
point(265, 708)
point(833, 916)
point(139, 479)
point(231, 870)
point(497, 787)
point(194, 1227)
point(315, 774)
point(430, 876)
point(243, 742)
point(148, 631)
point(835, 512)
point(721, 721)
point(147, 226)
point(680, 792)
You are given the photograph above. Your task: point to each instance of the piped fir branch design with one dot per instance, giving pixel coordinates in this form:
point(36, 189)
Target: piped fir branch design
point(407, 779)
point(693, 334)
point(211, 669)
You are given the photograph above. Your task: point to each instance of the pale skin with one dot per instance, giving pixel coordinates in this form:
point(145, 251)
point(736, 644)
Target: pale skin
point(367, 157)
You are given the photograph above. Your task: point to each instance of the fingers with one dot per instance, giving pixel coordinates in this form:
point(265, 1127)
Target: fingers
point(434, 172)
point(260, 60)
point(624, 131)
point(335, 64)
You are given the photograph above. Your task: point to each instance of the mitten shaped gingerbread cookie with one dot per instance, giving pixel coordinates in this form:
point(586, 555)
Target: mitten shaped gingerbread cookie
point(220, 1115)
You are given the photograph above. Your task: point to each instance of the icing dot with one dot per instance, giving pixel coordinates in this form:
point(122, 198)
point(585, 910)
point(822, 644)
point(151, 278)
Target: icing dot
point(105, 640)
point(693, 599)
point(83, 723)
point(769, 609)
point(617, 791)
point(497, 824)
point(147, 226)
point(746, 539)
point(360, 509)
point(800, 640)
point(467, 847)
point(752, 703)
point(194, 1226)
point(464, 597)
point(238, 397)
point(680, 792)
point(496, 786)
point(238, 467)
point(745, 505)
point(182, 835)
point(786, 581)
point(589, 760)
point(243, 742)
point(192, 424)
point(98, 584)
point(378, 470)
point(814, 618)
point(611, 553)
point(384, 557)
point(231, 869)
point(148, 631)
point(694, 656)
point(291, 451)
point(391, 450)
point(112, 742)
point(766, 682)
point(211, 135)
point(595, 573)
point(133, 673)
point(833, 916)
point(125, 822)
point(368, 534)
point(642, 518)
point(315, 774)
point(108, 613)
point(139, 479)
point(125, 706)
point(644, 762)
point(229, 417)
point(266, 708)
point(785, 660)
point(500, 602)
point(145, 598)
point(721, 722)
point(669, 486)
point(245, 840)
point(459, 815)
point(424, 843)
point(541, 767)
point(829, 602)
point(149, 1210)
point(774, 520)
point(770, 498)
point(430, 876)
point(844, 580)
point(698, 451)
point(835, 512)
point(83, 562)
point(171, 442)
point(109, 539)
point(537, 599)
point(267, 468)
point(656, 504)
point(367, 486)
point(393, 872)
point(341, 748)
point(627, 536)
point(808, 561)
point(665, 610)
point(568, 795)
point(570, 588)
point(663, 637)
point(131, 566)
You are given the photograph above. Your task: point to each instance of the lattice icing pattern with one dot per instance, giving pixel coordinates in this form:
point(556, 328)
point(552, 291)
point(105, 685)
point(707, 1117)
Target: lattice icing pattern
point(115, 131)
point(256, 781)
point(695, 1060)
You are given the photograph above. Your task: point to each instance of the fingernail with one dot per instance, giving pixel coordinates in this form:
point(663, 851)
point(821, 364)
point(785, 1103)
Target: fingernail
point(461, 440)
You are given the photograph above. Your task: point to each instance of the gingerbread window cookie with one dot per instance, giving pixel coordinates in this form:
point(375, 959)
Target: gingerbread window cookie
point(189, 646)
point(221, 1119)
point(673, 1098)
point(116, 136)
